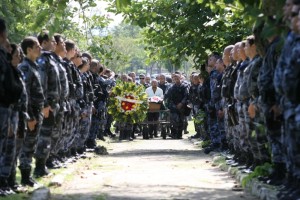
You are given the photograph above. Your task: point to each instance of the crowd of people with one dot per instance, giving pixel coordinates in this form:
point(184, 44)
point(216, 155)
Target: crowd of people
point(54, 99)
point(53, 105)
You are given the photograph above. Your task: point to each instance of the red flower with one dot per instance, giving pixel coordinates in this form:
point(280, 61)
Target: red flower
point(127, 106)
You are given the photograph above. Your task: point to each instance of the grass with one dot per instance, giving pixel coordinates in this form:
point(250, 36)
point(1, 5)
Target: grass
point(262, 170)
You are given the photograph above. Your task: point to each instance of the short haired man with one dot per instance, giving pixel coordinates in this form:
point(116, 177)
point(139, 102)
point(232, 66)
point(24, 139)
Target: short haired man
point(11, 89)
point(153, 91)
point(29, 67)
point(51, 86)
point(143, 81)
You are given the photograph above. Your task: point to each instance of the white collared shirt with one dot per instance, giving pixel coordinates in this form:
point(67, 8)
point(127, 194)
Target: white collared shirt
point(159, 92)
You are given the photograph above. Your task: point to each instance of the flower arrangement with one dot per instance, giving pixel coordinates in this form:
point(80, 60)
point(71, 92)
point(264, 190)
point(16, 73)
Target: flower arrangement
point(128, 103)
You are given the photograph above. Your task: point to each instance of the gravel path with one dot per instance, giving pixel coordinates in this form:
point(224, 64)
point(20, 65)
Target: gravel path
point(148, 169)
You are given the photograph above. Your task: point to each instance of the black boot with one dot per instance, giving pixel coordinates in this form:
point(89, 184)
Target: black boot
point(109, 133)
point(224, 145)
point(179, 134)
point(249, 160)
point(90, 143)
point(197, 135)
point(121, 136)
point(212, 147)
point(4, 187)
point(11, 180)
point(100, 135)
point(51, 164)
point(278, 174)
point(26, 179)
point(40, 168)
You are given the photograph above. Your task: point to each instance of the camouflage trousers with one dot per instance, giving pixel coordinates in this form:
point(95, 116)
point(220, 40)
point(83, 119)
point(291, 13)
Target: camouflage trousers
point(29, 144)
point(74, 118)
point(200, 126)
point(296, 146)
point(292, 141)
point(274, 135)
point(177, 123)
point(250, 132)
point(243, 135)
point(84, 127)
point(99, 121)
point(260, 137)
point(18, 142)
point(7, 140)
point(58, 133)
point(109, 122)
point(235, 130)
point(45, 137)
point(213, 127)
point(67, 127)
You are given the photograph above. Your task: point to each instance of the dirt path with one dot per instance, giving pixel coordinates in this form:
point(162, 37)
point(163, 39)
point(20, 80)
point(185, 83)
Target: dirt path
point(148, 169)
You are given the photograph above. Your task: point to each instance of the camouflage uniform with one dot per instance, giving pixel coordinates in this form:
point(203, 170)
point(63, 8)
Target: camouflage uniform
point(85, 113)
point(291, 88)
point(10, 92)
point(205, 96)
point(12, 148)
point(35, 105)
point(76, 93)
point(175, 95)
point(258, 139)
point(195, 99)
point(59, 132)
point(215, 90)
point(267, 100)
point(51, 86)
point(241, 127)
point(20, 131)
point(230, 115)
point(283, 62)
point(245, 137)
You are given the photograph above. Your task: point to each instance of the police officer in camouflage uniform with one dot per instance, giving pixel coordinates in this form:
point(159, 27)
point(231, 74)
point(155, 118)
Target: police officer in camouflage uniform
point(242, 144)
point(85, 113)
point(10, 93)
point(259, 140)
point(75, 94)
point(269, 104)
point(21, 108)
point(177, 97)
point(106, 82)
point(215, 78)
point(227, 95)
point(248, 95)
point(290, 86)
point(91, 140)
point(29, 67)
point(111, 82)
point(58, 131)
point(282, 63)
point(195, 100)
point(51, 86)
point(9, 144)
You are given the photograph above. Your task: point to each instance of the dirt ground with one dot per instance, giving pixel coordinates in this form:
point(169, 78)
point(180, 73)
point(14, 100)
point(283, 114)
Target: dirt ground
point(148, 169)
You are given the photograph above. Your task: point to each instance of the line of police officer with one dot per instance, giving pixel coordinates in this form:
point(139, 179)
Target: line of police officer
point(52, 104)
point(251, 103)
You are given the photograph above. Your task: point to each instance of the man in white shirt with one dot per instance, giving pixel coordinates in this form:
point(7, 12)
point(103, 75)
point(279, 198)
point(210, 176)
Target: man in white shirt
point(153, 91)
